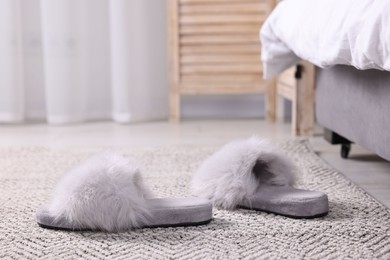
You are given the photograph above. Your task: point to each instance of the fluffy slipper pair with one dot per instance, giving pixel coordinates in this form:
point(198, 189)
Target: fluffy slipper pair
point(106, 192)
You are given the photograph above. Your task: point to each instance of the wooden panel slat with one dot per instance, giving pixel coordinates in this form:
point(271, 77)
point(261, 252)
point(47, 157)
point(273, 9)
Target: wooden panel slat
point(222, 19)
point(216, 1)
point(220, 39)
point(219, 29)
point(210, 58)
point(215, 49)
point(226, 68)
point(217, 78)
point(257, 8)
point(225, 88)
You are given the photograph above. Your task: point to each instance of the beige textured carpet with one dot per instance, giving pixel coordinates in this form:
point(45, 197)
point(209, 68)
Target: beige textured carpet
point(357, 226)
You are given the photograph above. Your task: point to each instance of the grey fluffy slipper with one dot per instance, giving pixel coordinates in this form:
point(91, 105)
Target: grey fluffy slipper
point(253, 174)
point(106, 192)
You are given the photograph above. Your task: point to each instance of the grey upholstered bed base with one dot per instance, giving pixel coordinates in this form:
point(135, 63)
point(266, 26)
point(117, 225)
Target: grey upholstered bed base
point(356, 105)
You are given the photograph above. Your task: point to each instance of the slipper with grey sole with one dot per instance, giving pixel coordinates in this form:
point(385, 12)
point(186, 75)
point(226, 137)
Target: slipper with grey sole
point(254, 174)
point(106, 193)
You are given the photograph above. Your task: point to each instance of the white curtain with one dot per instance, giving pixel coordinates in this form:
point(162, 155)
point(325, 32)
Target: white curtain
point(71, 61)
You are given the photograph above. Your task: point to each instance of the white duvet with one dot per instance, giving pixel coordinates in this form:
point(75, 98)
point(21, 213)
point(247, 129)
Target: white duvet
point(326, 33)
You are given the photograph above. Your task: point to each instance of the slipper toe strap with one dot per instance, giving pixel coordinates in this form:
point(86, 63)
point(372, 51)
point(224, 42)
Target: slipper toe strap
point(238, 169)
point(104, 192)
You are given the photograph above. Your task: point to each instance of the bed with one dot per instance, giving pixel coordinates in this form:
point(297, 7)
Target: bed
point(350, 47)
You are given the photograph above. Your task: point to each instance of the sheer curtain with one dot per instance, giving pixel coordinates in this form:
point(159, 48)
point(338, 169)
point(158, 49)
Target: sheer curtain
point(71, 61)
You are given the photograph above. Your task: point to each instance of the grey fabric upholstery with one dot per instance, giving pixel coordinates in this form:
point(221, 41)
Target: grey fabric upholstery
point(356, 105)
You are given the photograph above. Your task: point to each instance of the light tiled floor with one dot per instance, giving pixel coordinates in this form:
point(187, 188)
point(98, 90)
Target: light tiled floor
point(364, 168)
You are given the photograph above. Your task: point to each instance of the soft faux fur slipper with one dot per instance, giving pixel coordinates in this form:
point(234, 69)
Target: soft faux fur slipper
point(106, 192)
point(253, 174)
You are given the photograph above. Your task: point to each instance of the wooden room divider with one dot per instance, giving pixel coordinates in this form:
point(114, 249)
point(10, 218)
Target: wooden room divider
point(214, 48)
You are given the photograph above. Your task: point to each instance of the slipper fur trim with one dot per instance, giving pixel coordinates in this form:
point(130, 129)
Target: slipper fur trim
point(104, 192)
point(228, 176)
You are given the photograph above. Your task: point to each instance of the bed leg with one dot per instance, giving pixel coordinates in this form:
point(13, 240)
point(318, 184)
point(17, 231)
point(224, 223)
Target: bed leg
point(335, 138)
point(345, 149)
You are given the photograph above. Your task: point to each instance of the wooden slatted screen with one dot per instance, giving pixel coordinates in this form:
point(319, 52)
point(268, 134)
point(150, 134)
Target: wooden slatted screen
point(214, 47)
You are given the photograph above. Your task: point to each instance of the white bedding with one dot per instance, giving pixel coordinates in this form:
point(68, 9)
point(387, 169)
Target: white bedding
point(326, 33)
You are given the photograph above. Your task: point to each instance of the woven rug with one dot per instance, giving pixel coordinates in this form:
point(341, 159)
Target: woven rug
point(357, 227)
